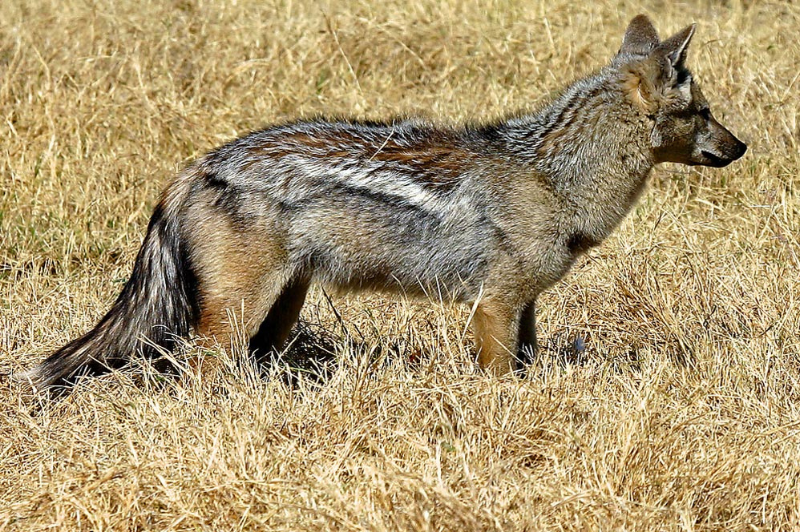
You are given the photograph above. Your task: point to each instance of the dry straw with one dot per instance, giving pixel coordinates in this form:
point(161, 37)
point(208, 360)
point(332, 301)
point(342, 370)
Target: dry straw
point(680, 414)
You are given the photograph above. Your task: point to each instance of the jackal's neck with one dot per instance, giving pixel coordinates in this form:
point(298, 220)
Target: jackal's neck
point(590, 145)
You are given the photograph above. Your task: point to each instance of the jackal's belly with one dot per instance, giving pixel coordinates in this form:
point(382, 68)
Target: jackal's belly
point(398, 248)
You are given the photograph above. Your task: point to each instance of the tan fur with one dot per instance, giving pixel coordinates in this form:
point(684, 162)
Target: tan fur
point(241, 273)
point(638, 92)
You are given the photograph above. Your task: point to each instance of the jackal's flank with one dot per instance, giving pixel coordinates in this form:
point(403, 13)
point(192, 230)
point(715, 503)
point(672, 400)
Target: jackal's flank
point(489, 215)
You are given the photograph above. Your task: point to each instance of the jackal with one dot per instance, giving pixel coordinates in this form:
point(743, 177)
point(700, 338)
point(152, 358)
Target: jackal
point(489, 215)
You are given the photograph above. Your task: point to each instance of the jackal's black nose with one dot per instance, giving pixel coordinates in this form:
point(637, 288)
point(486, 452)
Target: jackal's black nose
point(738, 150)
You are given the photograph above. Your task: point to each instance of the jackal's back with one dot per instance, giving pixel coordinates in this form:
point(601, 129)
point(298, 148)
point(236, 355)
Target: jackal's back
point(373, 205)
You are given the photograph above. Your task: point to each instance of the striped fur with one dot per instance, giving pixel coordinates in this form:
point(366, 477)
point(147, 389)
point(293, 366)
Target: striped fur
point(490, 214)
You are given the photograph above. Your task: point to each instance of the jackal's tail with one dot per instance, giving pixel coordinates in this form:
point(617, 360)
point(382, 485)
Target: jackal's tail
point(157, 306)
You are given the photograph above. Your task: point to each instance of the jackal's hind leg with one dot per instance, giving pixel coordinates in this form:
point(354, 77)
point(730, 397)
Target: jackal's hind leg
point(527, 336)
point(236, 301)
point(276, 327)
point(230, 320)
point(232, 312)
point(496, 326)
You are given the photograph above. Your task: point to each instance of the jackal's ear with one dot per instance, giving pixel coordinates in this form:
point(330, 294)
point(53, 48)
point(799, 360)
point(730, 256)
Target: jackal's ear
point(640, 82)
point(674, 48)
point(641, 37)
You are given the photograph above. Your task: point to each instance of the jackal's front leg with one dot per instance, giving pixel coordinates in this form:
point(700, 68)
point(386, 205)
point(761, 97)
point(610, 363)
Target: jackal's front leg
point(527, 346)
point(496, 326)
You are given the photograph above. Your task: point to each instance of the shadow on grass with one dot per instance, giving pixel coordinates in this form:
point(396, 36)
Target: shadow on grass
point(577, 351)
point(311, 352)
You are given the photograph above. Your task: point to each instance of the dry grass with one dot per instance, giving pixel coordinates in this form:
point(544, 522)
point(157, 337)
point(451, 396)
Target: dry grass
point(681, 414)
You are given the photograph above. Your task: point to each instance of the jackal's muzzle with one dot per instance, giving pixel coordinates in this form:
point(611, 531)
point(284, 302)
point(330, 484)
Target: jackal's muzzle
point(719, 148)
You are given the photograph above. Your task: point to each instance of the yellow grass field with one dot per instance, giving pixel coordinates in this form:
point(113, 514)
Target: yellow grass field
point(682, 413)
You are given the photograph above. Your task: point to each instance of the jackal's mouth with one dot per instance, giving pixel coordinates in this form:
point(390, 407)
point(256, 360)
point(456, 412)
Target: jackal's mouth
point(715, 160)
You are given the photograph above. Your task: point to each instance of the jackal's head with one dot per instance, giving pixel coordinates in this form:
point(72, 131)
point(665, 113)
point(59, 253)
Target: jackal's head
point(657, 82)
